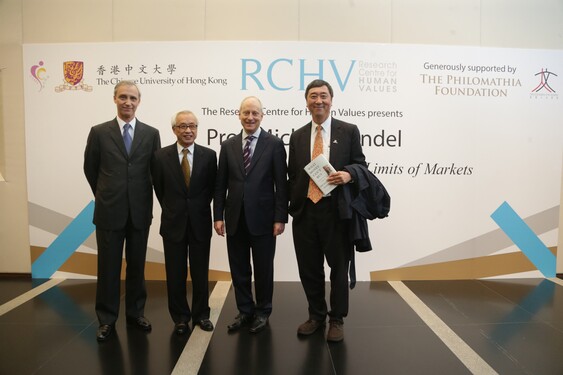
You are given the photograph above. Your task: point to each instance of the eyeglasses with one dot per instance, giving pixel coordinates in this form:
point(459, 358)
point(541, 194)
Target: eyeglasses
point(185, 127)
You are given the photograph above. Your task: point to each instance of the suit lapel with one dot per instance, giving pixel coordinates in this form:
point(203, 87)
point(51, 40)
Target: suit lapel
point(335, 135)
point(259, 149)
point(137, 136)
point(306, 143)
point(117, 136)
point(237, 151)
point(198, 164)
point(174, 164)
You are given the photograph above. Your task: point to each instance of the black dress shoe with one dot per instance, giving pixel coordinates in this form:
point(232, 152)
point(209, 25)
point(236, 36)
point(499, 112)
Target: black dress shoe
point(239, 321)
point(140, 322)
point(205, 324)
point(259, 323)
point(181, 328)
point(104, 331)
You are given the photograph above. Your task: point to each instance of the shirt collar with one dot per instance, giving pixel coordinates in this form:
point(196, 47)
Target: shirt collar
point(324, 125)
point(181, 148)
point(256, 134)
point(132, 122)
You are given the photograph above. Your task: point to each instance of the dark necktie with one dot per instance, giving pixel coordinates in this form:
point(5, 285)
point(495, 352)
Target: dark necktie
point(315, 194)
point(186, 167)
point(127, 137)
point(246, 154)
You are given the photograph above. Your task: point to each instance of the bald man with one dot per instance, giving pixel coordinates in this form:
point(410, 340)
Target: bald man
point(250, 207)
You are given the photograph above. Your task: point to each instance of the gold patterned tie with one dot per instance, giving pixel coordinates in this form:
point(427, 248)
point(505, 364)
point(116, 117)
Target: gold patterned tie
point(186, 167)
point(315, 194)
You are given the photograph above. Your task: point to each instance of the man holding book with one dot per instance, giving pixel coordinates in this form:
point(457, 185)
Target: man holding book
point(318, 232)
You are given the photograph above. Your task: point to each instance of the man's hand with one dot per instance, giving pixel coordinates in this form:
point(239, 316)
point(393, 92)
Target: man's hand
point(278, 228)
point(339, 178)
point(219, 226)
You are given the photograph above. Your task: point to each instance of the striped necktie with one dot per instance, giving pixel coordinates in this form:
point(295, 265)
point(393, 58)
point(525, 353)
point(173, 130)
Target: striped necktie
point(246, 154)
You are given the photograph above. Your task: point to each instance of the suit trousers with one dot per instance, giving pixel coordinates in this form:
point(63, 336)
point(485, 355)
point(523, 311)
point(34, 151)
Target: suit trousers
point(318, 233)
point(110, 253)
point(240, 246)
point(176, 256)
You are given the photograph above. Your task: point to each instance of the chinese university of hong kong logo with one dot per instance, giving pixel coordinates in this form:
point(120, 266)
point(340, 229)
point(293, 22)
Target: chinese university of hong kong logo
point(73, 74)
point(543, 89)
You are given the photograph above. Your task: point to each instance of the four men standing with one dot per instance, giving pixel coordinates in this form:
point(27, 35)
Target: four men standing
point(250, 192)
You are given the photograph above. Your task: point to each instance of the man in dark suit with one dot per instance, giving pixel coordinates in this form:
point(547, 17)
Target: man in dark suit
point(251, 192)
point(184, 183)
point(117, 164)
point(318, 233)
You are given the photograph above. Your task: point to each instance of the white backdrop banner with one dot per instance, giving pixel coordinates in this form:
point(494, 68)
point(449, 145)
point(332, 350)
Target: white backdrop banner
point(454, 133)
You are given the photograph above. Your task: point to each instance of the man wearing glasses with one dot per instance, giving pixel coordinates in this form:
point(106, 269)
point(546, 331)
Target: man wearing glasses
point(184, 182)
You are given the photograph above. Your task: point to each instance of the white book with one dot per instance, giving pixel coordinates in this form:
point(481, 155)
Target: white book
point(318, 169)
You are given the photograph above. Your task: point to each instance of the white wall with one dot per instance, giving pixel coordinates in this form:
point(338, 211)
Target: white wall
point(492, 23)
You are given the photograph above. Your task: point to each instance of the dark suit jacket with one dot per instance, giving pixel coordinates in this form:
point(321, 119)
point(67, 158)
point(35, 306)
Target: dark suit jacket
point(121, 183)
point(177, 201)
point(345, 149)
point(263, 191)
